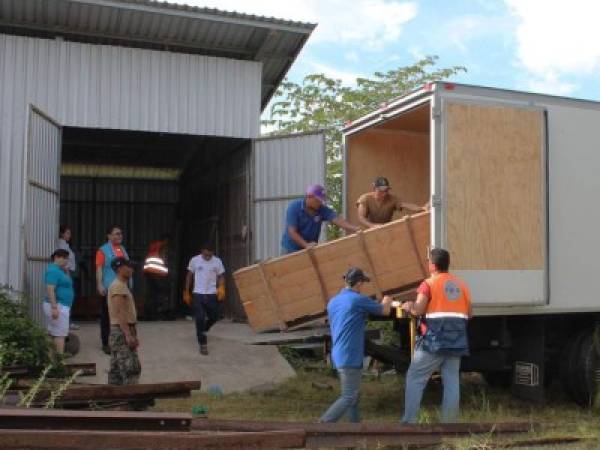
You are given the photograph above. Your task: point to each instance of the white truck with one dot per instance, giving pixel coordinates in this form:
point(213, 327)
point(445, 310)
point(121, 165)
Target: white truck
point(513, 179)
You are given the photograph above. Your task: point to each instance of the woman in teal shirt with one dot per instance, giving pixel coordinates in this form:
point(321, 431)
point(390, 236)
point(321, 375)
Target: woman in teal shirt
point(59, 298)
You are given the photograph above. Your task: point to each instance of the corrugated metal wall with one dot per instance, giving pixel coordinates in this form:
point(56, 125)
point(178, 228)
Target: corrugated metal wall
point(96, 86)
point(283, 168)
point(145, 209)
point(41, 218)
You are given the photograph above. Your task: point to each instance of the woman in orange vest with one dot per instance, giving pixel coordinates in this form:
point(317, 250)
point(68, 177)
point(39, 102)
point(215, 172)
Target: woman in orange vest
point(444, 305)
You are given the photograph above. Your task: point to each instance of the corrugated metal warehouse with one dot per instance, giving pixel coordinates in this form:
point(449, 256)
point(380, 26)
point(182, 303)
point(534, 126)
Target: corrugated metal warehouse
point(144, 114)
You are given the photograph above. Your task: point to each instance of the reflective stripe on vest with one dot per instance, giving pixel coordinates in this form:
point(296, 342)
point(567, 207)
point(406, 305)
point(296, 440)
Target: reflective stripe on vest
point(155, 267)
point(154, 264)
point(439, 315)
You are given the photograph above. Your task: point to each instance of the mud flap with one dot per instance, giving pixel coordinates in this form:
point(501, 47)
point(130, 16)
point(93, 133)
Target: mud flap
point(528, 351)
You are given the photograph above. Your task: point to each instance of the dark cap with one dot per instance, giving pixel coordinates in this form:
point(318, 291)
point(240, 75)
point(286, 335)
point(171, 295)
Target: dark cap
point(59, 253)
point(354, 275)
point(381, 182)
point(120, 262)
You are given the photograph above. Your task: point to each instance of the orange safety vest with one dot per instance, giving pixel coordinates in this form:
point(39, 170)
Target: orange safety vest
point(450, 297)
point(445, 328)
point(154, 264)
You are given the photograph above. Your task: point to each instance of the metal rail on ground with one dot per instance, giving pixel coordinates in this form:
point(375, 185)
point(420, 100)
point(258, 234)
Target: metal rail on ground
point(56, 419)
point(135, 440)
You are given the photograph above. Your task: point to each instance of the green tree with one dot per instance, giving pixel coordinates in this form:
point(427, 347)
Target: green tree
point(323, 103)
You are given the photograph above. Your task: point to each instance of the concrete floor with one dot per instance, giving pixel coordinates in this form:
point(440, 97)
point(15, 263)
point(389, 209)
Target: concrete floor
point(169, 352)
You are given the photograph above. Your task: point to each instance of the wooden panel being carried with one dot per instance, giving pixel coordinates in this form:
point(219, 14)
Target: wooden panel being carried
point(295, 288)
point(494, 187)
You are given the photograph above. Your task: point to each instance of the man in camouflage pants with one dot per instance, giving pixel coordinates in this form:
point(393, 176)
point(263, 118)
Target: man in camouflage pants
point(125, 365)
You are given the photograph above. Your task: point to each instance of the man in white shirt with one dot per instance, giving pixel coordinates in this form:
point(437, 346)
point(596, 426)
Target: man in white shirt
point(208, 275)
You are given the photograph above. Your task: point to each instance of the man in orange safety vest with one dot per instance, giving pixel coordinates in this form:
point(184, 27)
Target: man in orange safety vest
point(444, 305)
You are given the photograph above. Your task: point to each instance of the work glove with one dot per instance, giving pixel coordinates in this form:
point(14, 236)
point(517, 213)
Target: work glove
point(187, 298)
point(221, 292)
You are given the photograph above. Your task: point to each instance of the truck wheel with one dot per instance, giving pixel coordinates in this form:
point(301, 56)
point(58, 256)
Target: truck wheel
point(499, 379)
point(579, 368)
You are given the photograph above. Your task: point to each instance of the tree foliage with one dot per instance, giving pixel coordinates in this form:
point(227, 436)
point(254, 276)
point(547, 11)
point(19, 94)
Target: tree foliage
point(323, 103)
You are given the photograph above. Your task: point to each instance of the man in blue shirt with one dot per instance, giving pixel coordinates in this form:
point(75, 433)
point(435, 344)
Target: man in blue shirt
point(304, 217)
point(347, 313)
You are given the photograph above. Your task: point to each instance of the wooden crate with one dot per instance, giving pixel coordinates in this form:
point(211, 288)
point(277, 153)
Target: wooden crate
point(293, 289)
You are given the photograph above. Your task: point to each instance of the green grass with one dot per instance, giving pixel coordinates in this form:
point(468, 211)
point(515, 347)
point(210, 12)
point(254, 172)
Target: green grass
point(382, 400)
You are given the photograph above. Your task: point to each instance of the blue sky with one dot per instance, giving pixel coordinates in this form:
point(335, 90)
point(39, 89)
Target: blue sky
point(548, 46)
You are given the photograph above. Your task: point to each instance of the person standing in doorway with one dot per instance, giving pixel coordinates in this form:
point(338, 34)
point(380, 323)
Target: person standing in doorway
point(64, 242)
point(207, 273)
point(378, 207)
point(125, 367)
point(347, 314)
point(156, 276)
point(105, 275)
point(304, 218)
point(445, 302)
point(59, 298)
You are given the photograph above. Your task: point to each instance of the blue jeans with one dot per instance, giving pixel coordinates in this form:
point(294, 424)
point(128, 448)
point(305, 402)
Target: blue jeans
point(348, 400)
point(421, 368)
point(206, 312)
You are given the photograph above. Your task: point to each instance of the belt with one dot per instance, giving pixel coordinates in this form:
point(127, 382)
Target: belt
point(119, 326)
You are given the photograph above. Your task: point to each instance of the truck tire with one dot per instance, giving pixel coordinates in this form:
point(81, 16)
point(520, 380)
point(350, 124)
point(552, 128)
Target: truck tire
point(579, 368)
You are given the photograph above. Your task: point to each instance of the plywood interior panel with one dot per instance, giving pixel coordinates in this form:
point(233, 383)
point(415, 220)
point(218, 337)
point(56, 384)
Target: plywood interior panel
point(397, 150)
point(494, 191)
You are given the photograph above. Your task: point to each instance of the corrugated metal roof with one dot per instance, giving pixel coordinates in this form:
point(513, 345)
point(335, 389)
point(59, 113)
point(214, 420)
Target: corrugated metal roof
point(164, 26)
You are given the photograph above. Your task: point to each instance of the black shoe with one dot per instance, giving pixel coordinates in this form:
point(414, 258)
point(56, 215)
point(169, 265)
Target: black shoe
point(204, 349)
point(106, 349)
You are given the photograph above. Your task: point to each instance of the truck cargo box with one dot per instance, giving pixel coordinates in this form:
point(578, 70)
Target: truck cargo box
point(293, 289)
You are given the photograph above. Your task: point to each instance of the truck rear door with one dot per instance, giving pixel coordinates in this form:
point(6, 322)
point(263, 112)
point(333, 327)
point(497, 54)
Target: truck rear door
point(493, 199)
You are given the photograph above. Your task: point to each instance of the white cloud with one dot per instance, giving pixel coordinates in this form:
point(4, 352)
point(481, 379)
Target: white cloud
point(370, 23)
point(550, 83)
point(557, 38)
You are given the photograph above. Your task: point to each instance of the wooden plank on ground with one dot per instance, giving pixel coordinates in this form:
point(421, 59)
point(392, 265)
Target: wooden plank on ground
point(58, 419)
point(130, 392)
point(363, 427)
point(130, 440)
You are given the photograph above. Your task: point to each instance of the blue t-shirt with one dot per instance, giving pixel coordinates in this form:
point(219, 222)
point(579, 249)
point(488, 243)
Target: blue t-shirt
point(63, 285)
point(348, 312)
point(309, 227)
